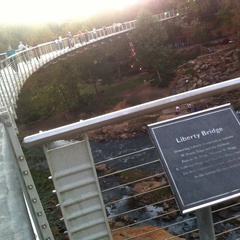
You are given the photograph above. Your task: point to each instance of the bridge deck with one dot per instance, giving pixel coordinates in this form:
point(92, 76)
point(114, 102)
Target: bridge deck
point(14, 219)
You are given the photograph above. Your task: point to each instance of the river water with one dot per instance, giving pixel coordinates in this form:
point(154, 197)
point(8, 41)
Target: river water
point(115, 148)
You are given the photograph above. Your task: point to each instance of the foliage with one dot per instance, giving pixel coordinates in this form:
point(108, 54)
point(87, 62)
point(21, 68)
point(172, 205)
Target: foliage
point(190, 71)
point(202, 11)
point(205, 10)
point(73, 83)
point(134, 101)
point(229, 13)
point(210, 14)
point(126, 85)
point(86, 100)
point(237, 106)
point(118, 54)
point(199, 33)
point(59, 90)
point(113, 100)
point(184, 55)
point(28, 34)
point(152, 48)
point(93, 65)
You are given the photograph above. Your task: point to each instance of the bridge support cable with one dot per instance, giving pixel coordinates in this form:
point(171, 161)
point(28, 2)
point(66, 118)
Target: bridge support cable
point(5, 93)
point(9, 85)
point(12, 83)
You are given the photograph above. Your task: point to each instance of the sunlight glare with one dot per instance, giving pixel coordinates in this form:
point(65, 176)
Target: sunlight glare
point(55, 10)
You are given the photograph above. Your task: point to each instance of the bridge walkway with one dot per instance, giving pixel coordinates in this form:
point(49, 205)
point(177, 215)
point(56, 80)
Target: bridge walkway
point(15, 70)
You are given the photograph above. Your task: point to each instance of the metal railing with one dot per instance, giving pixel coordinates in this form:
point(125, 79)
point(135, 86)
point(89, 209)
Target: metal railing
point(15, 69)
point(82, 186)
point(151, 211)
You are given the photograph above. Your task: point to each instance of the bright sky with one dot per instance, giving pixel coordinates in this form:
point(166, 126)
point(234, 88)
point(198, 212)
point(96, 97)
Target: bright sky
point(32, 11)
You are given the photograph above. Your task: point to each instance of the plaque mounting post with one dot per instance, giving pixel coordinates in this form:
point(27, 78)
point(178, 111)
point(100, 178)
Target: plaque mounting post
point(205, 224)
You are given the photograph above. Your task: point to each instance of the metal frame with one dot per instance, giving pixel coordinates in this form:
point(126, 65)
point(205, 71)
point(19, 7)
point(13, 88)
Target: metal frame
point(76, 183)
point(29, 190)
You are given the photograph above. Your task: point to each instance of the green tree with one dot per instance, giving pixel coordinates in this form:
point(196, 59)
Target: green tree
point(151, 43)
point(65, 79)
point(93, 65)
point(229, 13)
point(118, 53)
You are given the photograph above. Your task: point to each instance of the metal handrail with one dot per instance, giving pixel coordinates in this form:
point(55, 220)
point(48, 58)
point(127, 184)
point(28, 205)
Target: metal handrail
point(129, 113)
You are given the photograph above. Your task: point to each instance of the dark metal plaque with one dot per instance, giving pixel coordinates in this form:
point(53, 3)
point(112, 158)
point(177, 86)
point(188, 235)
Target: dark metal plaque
point(200, 153)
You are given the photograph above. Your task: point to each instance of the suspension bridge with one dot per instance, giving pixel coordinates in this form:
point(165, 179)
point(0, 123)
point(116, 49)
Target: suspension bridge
point(16, 68)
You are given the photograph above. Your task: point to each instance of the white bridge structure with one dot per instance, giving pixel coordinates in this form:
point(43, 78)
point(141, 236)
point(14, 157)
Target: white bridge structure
point(17, 68)
point(79, 188)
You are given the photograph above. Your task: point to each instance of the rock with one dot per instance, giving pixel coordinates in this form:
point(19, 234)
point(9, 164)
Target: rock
point(196, 67)
point(102, 167)
point(210, 69)
point(117, 225)
point(204, 67)
point(236, 66)
point(194, 235)
point(165, 206)
point(83, 116)
point(199, 82)
point(191, 63)
point(228, 54)
point(147, 186)
point(144, 233)
point(124, 136)
point(227, 60)
point(166, 218)
point(236, 220)
point(172, 213)
point(126, 219)
point(203, 71)
point(236, 55)
point(208, 78)
point(224, 213)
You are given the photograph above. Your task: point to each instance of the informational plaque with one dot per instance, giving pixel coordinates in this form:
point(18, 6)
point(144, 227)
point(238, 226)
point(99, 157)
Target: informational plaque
point(200, 153)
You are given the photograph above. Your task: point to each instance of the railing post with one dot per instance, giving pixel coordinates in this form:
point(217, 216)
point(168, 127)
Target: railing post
point(76, 182)
point(205, 224)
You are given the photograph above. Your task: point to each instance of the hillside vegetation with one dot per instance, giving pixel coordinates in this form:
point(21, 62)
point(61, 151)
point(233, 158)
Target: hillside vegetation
point(95, 81)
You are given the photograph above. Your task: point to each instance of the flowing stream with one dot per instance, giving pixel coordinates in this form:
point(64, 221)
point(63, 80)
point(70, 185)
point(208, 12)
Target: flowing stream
point(111, 149)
